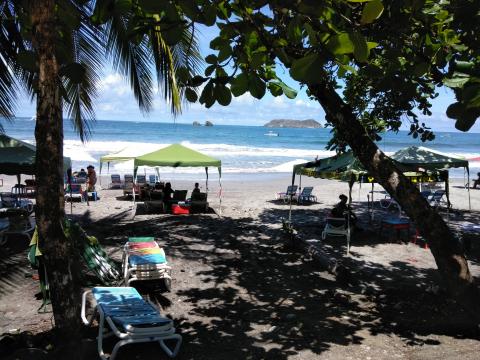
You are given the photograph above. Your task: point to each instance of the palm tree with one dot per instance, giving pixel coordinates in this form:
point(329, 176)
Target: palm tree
point(55, 50)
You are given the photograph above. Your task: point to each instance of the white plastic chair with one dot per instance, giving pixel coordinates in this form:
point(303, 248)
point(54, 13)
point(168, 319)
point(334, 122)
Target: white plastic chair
point(337, 227)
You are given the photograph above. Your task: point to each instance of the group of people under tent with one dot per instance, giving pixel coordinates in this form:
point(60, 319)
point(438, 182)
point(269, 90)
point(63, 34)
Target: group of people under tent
point(88, 177)
point(165, 189)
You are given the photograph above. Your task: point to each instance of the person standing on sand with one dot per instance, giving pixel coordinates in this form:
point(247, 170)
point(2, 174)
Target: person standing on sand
point(91, 178)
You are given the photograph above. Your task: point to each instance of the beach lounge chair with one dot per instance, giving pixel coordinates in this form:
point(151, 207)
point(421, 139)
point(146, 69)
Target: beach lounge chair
point(198, 202)
point(336, 227)
point(141, 180)
point(152, 179)
point(19, 224)
point(74, 191)
point(306, 195)
point(436, 199)
point(30, 186)
point(116, 182)
point(128, 185)
point(127, 315)
point(285, 196)
point(143, 259)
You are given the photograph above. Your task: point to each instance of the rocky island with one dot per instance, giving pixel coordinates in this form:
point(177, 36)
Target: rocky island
point(284, 123)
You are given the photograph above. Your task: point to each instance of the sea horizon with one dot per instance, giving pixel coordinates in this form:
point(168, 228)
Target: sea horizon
point(241, 148)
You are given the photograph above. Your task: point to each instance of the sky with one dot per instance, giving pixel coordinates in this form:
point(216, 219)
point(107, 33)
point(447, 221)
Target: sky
point(116, 102)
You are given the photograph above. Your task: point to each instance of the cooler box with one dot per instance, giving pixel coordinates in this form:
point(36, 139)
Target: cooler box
point(180, 209)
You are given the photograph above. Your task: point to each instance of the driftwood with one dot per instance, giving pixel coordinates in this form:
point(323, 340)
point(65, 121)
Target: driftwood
point(311, 247)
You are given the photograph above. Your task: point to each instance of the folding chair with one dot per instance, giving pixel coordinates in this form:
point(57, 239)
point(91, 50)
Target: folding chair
point(306, 195)
point(143, 259)
point(285, 196)
point(74, 191)
point(128, 185)
point(152, 179)
point(436, 199)
point(128, 316)
point(116, 182)
point(337, 227)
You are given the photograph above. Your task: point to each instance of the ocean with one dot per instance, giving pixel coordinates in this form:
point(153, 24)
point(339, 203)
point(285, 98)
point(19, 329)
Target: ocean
point(242, 149)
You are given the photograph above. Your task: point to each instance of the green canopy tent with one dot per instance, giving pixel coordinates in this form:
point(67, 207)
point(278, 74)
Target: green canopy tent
point(126, 154)
point(177, 155)
point(18, 157)
point(425, 160)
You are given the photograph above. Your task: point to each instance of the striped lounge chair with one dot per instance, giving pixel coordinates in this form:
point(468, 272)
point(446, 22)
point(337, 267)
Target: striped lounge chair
point(143, 259)
point(128, 316)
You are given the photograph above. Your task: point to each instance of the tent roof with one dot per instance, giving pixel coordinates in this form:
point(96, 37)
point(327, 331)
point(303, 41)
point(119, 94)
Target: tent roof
point(428, 159)
point(340, 167)
point(176, 155)
point(125, 154)
point(18, 157)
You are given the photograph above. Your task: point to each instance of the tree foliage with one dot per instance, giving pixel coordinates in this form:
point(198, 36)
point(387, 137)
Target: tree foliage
point(387, 57)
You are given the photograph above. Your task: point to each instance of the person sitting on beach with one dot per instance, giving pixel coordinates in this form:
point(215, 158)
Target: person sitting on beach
point(476, 182)
point(91, 178)
point(343, 210)
point(167, 191)
point(196, 190)
point(82, 173)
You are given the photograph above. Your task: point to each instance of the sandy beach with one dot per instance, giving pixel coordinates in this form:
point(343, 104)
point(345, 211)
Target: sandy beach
point(239, 293)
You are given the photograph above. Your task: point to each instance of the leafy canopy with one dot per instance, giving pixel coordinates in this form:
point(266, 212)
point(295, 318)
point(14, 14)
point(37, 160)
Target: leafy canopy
point(387, 57)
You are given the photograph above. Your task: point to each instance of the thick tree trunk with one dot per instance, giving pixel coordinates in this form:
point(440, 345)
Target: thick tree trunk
point(447, 251)
point(49, 160)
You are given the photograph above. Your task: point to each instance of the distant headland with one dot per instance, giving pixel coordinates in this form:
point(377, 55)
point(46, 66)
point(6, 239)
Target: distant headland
point(284, 123)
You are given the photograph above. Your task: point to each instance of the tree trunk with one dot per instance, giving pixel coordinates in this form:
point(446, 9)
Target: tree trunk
point(447, 251)
point(49, 171)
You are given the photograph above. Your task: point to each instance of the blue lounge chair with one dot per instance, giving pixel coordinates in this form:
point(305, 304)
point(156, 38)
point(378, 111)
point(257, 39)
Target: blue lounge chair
point(143, 259)
point(152, 179)
point(306, 195)
point(116, 182)
point(285, 196)
point(436, 199)
point(128, 316)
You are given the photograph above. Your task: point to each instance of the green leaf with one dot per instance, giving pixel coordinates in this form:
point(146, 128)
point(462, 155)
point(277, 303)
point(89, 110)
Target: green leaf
point(209, 70)
point(224, 53)
point(191, 95)
point(307, 69)
point(294, 30)
point(207, 96)
point(455, 110)
point(360, 50)
point(197, 80)
point(256, 86)
point(371, 11)
point(223, 95)
point(239, 85)
point(287, 90)
point(341, 44)
point(209, 15)
point(457, 81)
point(275, 89)
point(312, 34)
point(211, 59)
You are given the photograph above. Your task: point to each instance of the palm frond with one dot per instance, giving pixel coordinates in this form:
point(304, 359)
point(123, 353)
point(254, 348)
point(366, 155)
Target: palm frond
point(131, 58)
point(84, 50)
point(165, 69)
